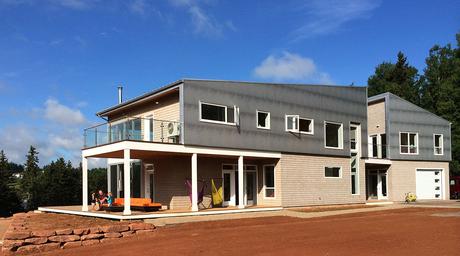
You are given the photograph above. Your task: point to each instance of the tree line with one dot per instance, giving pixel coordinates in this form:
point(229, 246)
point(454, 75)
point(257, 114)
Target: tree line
point(436, 88)
point(27, 186)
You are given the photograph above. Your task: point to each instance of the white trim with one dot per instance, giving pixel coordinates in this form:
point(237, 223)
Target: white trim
point(264, 187)
point(441, 144)
point(174, 148)
point(328, 166)
point(233, 187)
point(340, 135)
point(378, 161)
point(157, 215)
point(408, 143)
point(257, 120)
point(214, 121)
point(294, 129)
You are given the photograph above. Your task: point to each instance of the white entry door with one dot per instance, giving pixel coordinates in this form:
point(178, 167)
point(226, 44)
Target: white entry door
point(230, 185)
point(429, 184)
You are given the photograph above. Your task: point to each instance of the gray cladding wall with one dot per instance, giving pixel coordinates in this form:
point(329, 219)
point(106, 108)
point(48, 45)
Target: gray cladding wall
point(331, 103)
point(404, 116)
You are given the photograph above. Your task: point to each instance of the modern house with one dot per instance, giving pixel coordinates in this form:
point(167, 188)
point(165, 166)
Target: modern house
point(409, 150)
point(268, 145)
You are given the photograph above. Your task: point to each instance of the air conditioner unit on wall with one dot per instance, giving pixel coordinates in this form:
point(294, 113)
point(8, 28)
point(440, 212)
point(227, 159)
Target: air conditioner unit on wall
point(173, 129)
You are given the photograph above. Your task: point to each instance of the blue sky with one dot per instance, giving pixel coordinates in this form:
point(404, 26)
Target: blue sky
point(61, 60)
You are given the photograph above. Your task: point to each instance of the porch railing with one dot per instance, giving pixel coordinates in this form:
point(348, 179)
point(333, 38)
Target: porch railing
point(133, 128)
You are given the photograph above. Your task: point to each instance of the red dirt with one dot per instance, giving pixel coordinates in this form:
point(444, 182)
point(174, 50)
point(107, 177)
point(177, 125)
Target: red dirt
point(331, 208)
point(410, 231)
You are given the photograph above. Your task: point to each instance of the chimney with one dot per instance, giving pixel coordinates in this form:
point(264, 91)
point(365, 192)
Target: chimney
point(120, 94)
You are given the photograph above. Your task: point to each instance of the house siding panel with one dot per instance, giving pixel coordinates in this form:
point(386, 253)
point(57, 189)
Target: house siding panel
point(376, 118)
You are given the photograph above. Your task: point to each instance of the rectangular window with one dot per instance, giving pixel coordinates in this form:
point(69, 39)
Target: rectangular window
point(292, 123)
point(438, 144)
point(408, 143)
point(263, 120)
point(332, 172)
point(354, 173)
point(333, 135)
point(269, 181)
point(306, 125)
point(217, 113)
point(353, 137)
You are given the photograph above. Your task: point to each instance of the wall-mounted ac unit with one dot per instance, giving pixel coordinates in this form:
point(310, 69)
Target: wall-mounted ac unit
point(173, 129)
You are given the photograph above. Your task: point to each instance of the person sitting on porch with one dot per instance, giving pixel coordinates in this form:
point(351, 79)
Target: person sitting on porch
point(93, 200)
point(109, 199)
point(102, 198)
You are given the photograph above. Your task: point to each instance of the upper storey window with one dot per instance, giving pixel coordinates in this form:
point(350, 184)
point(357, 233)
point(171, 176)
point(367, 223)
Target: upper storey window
point(294, 123)
point(263, 120)
point(333, 135)
point(215, 113)
point(408, 142)
point(438, 144)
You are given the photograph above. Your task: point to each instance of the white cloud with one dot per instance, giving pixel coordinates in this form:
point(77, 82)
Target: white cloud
point(73, 4)
point(328, 16)
point(138, 6)
point(55, 132)
point(62, 114)
point(290, 67)
point(203, 23)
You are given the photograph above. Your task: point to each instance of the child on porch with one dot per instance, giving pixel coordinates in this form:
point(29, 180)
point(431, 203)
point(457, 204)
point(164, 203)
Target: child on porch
point(110, 199)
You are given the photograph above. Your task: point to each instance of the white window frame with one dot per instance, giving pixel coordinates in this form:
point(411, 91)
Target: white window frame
point(441, 144)
point(357, 185)
point(268, 119)
point(295, 129)
point(340, 135)
point(408, 143)
point(274, 182)
point(312, 126)
point(235, 111)
point(340, 172)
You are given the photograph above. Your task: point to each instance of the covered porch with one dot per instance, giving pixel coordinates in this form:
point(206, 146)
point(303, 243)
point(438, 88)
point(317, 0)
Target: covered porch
point(180, 178)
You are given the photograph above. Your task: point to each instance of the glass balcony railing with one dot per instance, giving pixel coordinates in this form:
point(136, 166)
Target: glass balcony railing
point(133, 128)
point(377, 150)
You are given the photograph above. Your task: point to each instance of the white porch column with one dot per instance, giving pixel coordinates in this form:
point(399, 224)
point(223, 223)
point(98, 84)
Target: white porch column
point(109, 178)
point(84, 169)
point(127, 182)
point(240, 183)
point(146, 134)
point(194, 182)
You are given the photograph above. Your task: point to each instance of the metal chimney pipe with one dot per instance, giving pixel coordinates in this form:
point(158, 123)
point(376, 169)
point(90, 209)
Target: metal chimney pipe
point(120, 94)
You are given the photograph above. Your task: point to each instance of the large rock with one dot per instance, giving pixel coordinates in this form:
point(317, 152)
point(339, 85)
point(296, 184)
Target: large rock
point(38, 248)
point(64, 238)
point(67, 231)
point(36, 240)
point(71, 244)
point(90, 242)
point(91, 236)
point(16, 235)
point(112, 235)
point(81, 231)
point(128, 233)
point(46, 233)
point(141, 226)
point(13, 243)
point(115, 228)
point(105, 240)
point(95, 230)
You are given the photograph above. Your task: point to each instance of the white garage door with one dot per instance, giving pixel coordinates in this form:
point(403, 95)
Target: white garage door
point(429, 184)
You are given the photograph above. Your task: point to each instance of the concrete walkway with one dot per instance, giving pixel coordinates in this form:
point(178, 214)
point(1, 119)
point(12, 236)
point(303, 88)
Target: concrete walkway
point(293, 212)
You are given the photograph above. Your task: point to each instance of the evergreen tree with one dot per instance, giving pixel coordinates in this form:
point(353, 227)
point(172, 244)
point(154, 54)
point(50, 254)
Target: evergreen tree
point(440, 92)
point(399, 78)
point(62, 183)
point(30, 184)
point(9, 200)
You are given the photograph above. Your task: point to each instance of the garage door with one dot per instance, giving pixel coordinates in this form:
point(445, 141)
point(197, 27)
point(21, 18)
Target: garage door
point(429, 184)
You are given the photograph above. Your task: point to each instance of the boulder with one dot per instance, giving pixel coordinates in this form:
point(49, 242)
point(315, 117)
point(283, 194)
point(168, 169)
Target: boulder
point(16, 235)
point(67, 231)
point(128, 233)
point(46, 233)
point(91, 236)
point(95, 230)
point(36, 240)
point(81, 231)
point(71, 244)
point(112, 235)
point(115, 228)
point(64, 238)
point(13, 243)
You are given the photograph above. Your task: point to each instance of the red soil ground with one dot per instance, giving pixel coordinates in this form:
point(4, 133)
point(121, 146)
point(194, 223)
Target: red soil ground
point(410, 231)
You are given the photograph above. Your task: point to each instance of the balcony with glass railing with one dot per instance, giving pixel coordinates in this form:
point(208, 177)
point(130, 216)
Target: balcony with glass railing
point(133, 129)
point(378, 151)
